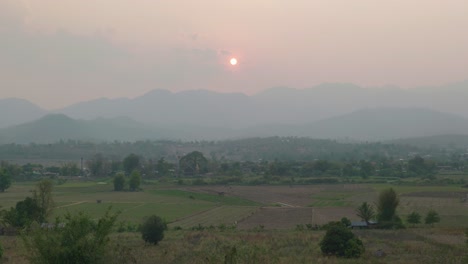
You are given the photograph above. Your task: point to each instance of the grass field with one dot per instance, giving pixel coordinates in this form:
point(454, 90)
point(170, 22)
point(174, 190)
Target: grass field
point(249, 207)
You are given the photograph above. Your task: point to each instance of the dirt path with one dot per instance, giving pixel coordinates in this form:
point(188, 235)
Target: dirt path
point(71, 204)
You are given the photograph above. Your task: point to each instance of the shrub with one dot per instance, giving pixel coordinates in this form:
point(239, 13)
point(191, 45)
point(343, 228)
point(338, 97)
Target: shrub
point(345, 221)
point(341, 242)
point(1, 252)
point(152, 230)
point(432, 217)
point(78, 239)
point(414, 218)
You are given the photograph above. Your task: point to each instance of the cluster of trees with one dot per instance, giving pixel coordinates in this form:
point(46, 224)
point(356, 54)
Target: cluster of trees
point(431, 218)
point(253, 149)
point(386, 215)
point(195, 164)
point(32, 209)
point(32, 171)
point(121, 181)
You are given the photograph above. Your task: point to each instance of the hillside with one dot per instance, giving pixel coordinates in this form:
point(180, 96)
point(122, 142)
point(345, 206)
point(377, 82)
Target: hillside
point(363, 125)
point(17, 111)
point(55, 127)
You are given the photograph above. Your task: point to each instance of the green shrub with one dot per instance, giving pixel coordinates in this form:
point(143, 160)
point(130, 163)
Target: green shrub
point(77, 239)
point(152, 230)
point(341, 242)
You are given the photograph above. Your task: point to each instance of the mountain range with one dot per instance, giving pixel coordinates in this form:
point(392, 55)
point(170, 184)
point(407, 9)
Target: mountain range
point(339, 111)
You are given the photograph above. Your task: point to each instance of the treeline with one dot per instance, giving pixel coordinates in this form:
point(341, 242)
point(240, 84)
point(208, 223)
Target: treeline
point(252, 149)
point(196, 164)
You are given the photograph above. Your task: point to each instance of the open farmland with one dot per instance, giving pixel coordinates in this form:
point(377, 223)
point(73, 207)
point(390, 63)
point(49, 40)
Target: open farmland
point(262, 226)
point(281, 207)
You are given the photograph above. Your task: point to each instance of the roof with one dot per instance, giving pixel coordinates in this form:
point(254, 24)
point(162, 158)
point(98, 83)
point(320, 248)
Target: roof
point(359, 224)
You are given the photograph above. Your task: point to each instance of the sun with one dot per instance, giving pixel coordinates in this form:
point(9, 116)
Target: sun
point(233, 61)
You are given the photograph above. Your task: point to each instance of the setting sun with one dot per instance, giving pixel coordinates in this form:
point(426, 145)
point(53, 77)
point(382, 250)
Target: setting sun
point(233, 61)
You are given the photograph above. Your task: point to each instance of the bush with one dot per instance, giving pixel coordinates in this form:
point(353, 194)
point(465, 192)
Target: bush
point(77, 239)
point(432, 217)
point(1, 252)
point(152, 230)
point(341, 242)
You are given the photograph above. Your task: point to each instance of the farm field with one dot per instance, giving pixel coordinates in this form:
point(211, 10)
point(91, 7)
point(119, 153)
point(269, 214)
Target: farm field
point(249, 206)
point(261, 222)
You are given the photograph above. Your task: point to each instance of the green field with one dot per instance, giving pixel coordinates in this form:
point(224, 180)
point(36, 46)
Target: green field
point(215, 216)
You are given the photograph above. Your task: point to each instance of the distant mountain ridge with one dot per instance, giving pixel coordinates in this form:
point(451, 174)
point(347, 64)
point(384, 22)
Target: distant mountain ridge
point(54, 127)
point(279, 105)
point(377, 124)
point(324, 111)
point(15, 111)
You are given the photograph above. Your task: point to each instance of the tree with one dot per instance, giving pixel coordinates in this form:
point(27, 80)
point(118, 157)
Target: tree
point(340, 241)
point(119, 182)
point(23, 214)
point(387, 204)
point(135, 180)
point(193, 163)
point(432, 217)
point(414, 218)
point(5, 180)
point(163, 167)
point(366, 169)
point(70, 169)
point(131, 163)
point(98, 166)
point(345, 221)
point(152, 230)
point(366, 212)
point(43, 196)
point(75, 239)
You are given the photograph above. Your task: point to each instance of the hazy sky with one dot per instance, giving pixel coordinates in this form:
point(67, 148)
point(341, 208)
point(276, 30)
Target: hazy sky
point(56, 52)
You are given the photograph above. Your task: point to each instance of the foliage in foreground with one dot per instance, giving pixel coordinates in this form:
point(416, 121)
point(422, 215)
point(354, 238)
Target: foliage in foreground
point(76, 239)
point(152, 230)
point(341, 242)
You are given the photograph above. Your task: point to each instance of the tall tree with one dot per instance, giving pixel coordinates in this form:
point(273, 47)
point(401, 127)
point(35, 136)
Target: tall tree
point(387, 205)
point(388, 202)
point(44, 199)
point(366, 212)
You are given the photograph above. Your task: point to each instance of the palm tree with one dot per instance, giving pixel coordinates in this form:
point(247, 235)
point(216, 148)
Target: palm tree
point(366, 212)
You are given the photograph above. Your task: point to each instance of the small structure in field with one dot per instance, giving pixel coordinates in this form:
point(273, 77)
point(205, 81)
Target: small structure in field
point(363, 224)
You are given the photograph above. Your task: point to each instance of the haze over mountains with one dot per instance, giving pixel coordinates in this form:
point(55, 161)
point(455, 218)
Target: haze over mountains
point(326, 111)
